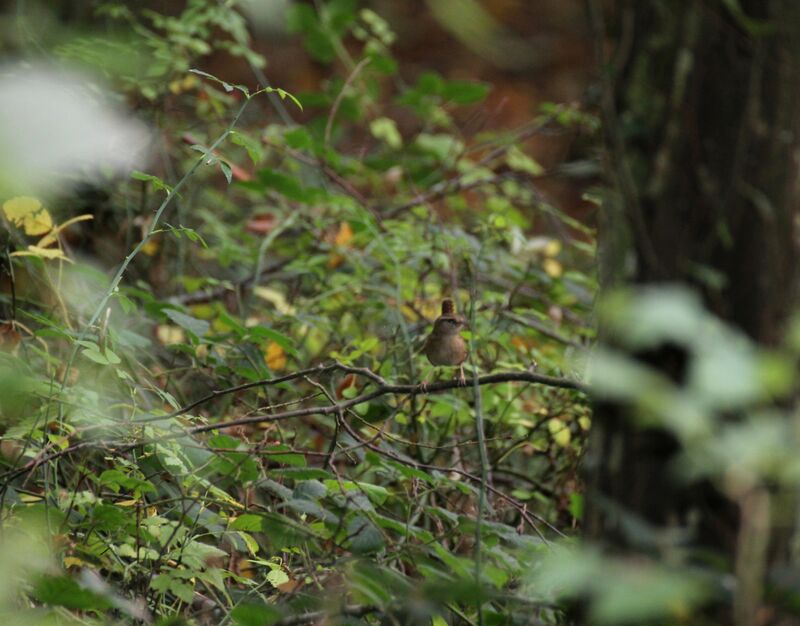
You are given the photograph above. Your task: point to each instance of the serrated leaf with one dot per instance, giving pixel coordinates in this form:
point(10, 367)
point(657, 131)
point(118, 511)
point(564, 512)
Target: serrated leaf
point(277, 577)
point(183, 591)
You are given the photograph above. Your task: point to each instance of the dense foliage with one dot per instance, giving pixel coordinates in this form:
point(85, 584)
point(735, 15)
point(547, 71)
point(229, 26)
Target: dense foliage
point(210, 383)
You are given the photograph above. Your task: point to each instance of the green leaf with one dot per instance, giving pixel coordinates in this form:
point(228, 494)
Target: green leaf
point(277, 577)
point(464, 92)
point(383, 63)
point(226, 170)
point(289, 458)
point(261, 333)
point(183, 591)
point(286, 185)
point(247, 522)
point(253, 148)
point(576, 505)
point(299, 138)
point(443, 147)
point(255, 615)
point(157, 183)
point(301, 473)
point(94, 353)
point(518, 160)
point(283, 95)
point(638, 595)
point(195, 326)
point(66, 592)
point(302, 18)
point(110, 518)
point(385, 129)
point(364, 536)
point(226, 86)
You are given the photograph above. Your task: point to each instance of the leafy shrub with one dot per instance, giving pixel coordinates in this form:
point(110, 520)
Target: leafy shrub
point(211, 389)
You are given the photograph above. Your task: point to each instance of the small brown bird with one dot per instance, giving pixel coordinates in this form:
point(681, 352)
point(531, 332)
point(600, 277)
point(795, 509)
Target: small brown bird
point(445, 345)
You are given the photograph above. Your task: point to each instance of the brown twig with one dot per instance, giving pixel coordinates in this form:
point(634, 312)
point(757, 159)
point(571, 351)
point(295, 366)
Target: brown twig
point(541, 328)
point(335, 108)
point(442, 189)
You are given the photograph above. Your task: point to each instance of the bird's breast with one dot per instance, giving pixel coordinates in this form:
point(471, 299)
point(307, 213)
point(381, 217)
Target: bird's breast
point(451, 350)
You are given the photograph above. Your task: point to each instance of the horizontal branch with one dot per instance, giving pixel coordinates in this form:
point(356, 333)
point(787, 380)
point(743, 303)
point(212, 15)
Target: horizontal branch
point(384, 388)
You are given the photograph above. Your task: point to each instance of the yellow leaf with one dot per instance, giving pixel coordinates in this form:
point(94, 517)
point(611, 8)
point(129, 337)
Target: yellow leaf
point(27, 213)
point(74, 561)
point(430, 308)
point(50, 238)
point(344, 235)
point(150, 247)
point(39, 224)
point(168, 335)
point(245, 571)
point(276, 298)
point(560, 432)
point(553, 268)
point(181, 85)
point(275, 357)
point(409, 313)
point(47, 253)
point(552, 248)
point(335, 260)
point(43, 253)
point(522, 343)
point(128, 503)
point(17, 209)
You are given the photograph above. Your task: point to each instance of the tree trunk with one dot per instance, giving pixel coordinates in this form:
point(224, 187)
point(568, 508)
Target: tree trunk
point(701, 105)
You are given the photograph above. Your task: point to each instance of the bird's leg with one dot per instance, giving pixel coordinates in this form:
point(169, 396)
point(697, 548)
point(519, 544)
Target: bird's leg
point(423, 386)
point(462, 379)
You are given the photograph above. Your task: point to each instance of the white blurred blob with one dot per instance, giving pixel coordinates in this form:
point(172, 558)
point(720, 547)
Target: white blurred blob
point(56, 124)
point(267, 16)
